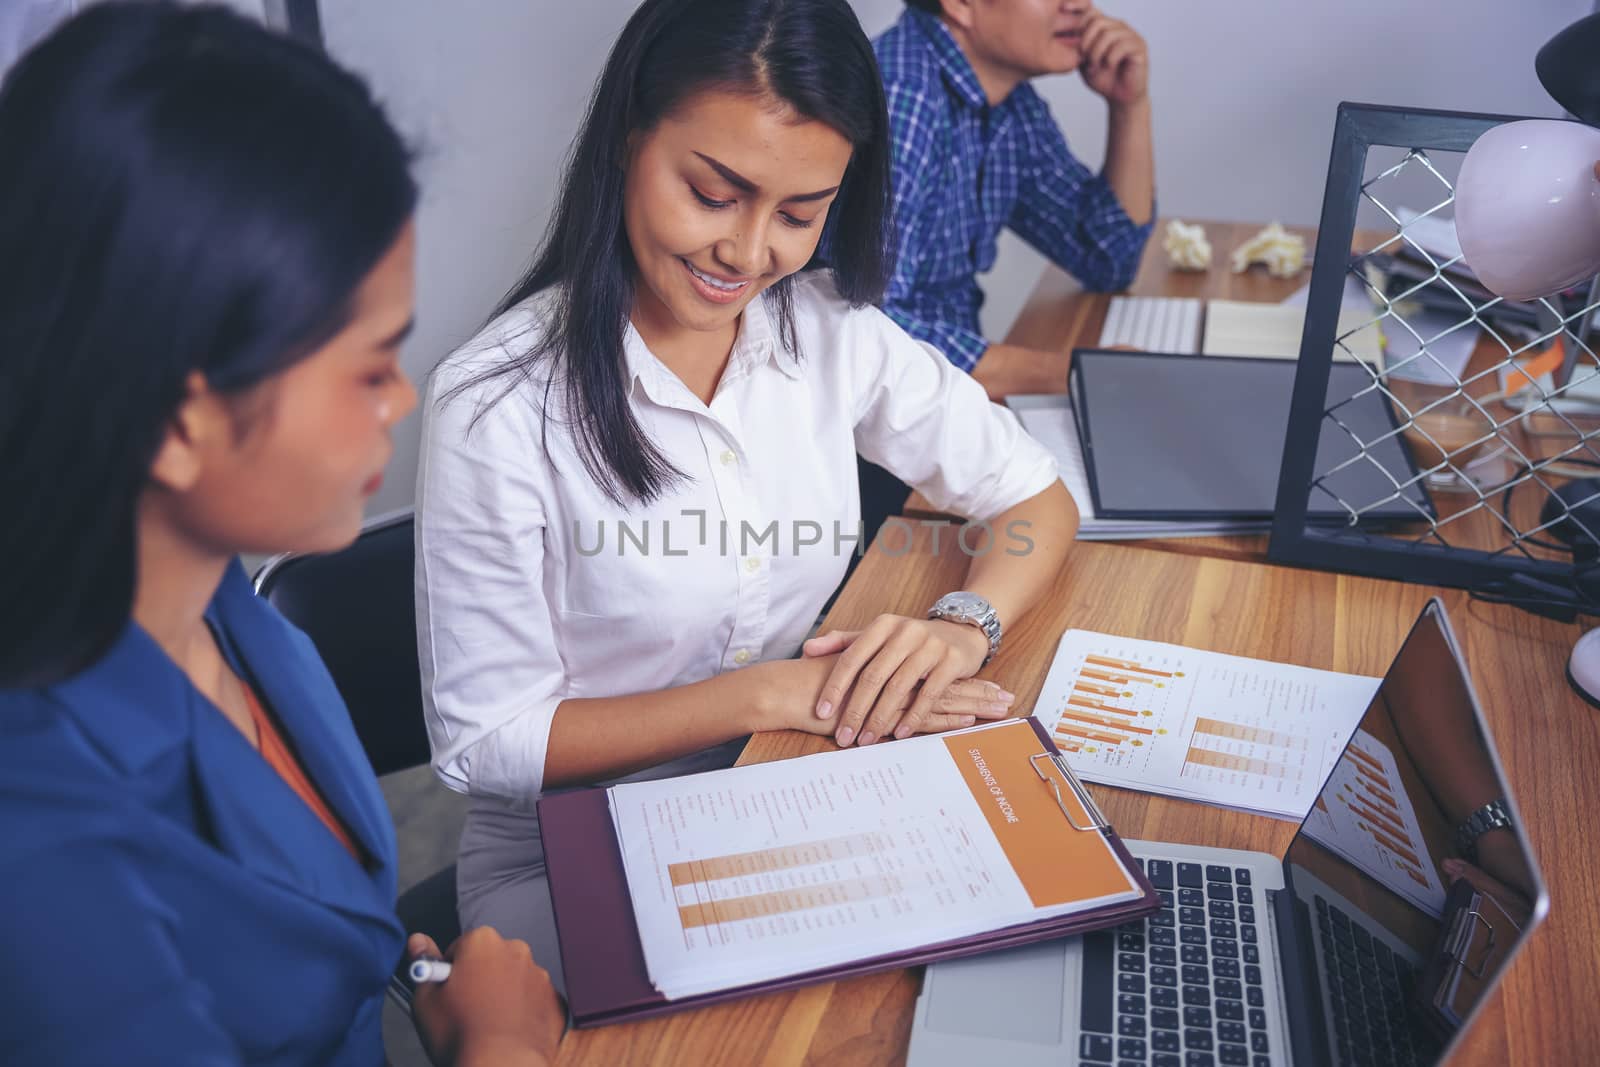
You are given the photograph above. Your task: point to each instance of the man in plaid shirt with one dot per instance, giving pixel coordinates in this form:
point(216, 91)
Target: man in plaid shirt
point(976, 150)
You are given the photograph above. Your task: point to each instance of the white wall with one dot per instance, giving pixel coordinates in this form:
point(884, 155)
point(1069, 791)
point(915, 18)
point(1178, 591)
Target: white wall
point(256, 8)
point(22, 22)
point(1245, 92)
point(491, 92)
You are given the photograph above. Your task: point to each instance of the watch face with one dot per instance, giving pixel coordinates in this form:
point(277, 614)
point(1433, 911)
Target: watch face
point(964, 604)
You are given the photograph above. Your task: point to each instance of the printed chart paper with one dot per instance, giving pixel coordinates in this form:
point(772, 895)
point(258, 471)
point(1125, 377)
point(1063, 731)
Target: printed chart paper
point(1366, 817)
point(755, 873)
point(1242, 733)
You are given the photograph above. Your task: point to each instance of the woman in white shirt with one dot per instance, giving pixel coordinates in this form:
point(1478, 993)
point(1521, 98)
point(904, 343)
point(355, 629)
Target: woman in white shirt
point(638, 483)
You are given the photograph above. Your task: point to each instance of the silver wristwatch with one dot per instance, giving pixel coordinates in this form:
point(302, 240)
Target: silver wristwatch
point(1492, 816)
point(972, 609)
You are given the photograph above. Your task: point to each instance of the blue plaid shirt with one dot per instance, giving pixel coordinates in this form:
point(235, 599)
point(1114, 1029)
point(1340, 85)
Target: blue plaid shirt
point(963, 170)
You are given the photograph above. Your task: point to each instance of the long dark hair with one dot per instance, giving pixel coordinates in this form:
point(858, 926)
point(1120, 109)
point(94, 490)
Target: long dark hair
point(810, 54)
point(180, 190)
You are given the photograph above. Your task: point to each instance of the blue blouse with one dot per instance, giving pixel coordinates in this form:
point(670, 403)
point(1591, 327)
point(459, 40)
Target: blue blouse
point(167, 898)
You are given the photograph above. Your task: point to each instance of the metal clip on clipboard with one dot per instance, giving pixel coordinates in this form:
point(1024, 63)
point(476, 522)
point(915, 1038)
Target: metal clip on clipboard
point(1458, 942)
point(1098, 820)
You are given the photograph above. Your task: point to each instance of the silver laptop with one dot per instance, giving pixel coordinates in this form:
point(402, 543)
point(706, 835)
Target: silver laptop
point(1373, 940)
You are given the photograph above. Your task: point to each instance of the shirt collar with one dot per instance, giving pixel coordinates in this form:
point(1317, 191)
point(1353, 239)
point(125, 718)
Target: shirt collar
point(135, 699)
point(953, 61)
point(756, 344)
point(758, 340)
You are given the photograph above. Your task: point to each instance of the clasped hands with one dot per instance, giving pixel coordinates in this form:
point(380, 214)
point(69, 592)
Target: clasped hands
point(899, 676)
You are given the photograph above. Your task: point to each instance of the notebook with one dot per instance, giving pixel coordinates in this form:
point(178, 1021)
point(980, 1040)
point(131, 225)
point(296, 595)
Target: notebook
point(1273, 331)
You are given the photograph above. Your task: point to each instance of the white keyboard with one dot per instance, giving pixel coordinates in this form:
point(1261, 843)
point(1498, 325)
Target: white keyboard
point(1153, 324)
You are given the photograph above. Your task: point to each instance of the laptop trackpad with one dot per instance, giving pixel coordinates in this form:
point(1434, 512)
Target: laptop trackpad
point(1018, 994)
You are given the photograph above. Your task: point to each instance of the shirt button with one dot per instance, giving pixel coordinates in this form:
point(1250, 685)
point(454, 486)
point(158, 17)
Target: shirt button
point(752, 564)
point(728, 457)
point(742, 656)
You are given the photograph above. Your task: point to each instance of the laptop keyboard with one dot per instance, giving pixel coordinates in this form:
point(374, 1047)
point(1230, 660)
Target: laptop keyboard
point(1182, 988)
point(1369, 987)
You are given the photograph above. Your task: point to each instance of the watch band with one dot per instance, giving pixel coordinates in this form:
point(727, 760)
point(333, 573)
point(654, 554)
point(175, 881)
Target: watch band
point(1492, 816)
point(970, 610)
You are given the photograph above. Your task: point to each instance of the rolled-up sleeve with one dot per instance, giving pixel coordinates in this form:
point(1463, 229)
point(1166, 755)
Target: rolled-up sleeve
point(492, 673)
point(1072, 215)
point(932, 425)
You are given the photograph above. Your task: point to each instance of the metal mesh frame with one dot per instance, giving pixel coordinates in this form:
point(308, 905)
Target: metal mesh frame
point(1430, 551)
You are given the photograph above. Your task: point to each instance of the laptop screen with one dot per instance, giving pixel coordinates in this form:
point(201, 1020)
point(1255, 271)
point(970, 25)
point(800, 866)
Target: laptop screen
point(1406, 930)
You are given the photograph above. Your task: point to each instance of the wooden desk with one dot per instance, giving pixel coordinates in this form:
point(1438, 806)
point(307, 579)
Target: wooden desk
point(1549, 742)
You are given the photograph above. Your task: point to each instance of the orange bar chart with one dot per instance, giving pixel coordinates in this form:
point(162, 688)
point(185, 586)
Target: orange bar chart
point(765, 860)
point(1101, 720)
point(1252, 734)
point(1117, 707)
point(1376, 785)
point(1126, 666)
point(1389, 842)
point(1373, 804)
point(1372, 766)
point(1378, 818)
point(1227, 761)
point(1092, 717)
point(803, 898)
point(1093, 704)
point(1090, 735)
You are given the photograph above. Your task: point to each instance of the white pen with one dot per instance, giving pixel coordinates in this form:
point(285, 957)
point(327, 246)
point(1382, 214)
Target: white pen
point(427, 969)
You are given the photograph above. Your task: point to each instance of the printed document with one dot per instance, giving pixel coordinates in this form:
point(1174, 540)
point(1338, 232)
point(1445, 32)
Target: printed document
point(1241, 733)
point(756, 873)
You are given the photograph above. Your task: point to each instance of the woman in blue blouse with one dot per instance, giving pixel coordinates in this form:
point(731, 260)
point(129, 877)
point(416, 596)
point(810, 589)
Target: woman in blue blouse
point(205, 274)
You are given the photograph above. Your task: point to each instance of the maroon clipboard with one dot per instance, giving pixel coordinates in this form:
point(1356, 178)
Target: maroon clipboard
point(604, 962)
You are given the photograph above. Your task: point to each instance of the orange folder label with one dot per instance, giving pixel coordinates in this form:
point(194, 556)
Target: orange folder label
point(1056, 863)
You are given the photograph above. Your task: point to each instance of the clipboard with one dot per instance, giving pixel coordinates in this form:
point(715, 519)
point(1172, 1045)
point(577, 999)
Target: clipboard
point(603, 960)
point(1470, 951)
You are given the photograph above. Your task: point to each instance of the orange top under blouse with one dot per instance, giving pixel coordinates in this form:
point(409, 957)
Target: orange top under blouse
point(281, 759)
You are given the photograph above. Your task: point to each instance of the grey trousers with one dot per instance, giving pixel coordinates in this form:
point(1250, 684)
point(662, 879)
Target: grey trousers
point(500, 873)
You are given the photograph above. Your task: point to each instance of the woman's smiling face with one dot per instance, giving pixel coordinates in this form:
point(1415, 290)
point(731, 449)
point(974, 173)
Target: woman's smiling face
point(724, 197)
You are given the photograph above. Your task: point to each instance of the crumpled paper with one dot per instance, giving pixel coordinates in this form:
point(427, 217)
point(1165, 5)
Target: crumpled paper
point(1186, 245)
point(1283, 253)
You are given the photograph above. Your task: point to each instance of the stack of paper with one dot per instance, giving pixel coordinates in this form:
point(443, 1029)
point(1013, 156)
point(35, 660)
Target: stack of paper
point(1048, 420)
point(1436, 235)
point(757, 873)
point(1240, 733)
point(1430, 345)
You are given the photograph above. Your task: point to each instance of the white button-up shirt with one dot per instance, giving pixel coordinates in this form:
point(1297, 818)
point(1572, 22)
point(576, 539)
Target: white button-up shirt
point(533, 587)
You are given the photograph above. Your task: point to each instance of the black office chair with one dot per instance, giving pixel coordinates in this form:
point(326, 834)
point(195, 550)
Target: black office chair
point(357, 608)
